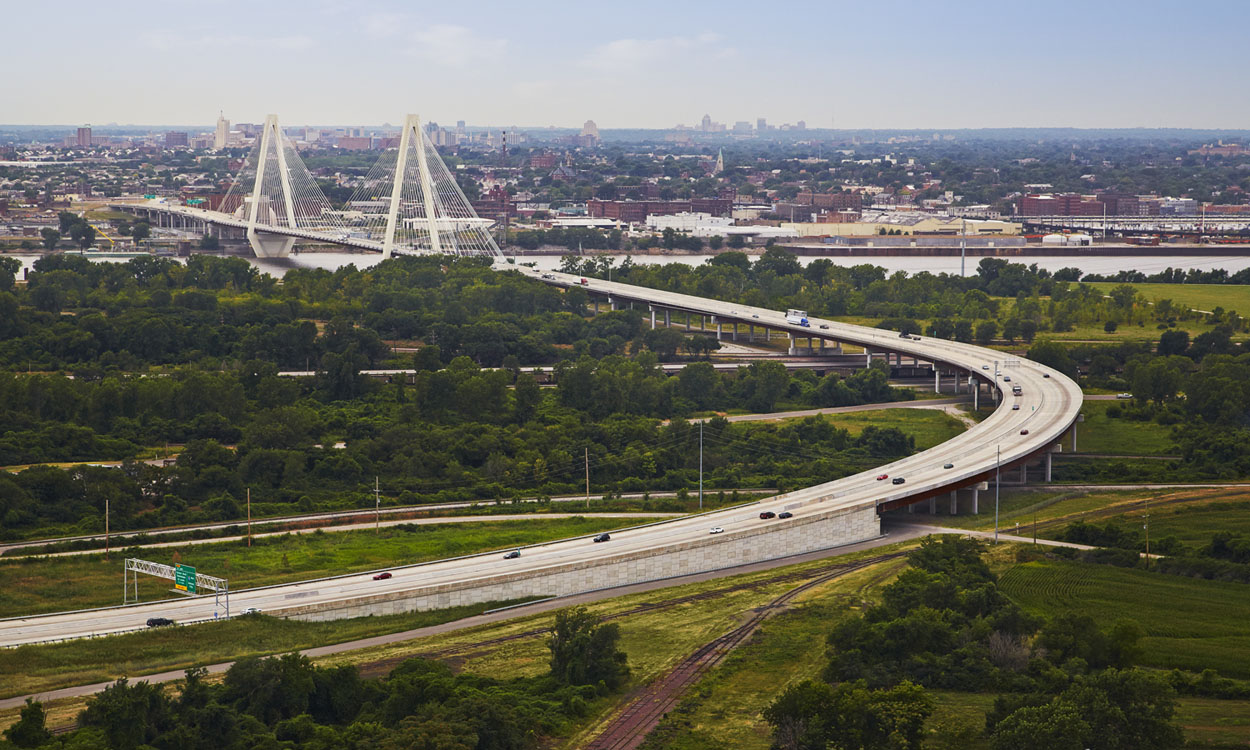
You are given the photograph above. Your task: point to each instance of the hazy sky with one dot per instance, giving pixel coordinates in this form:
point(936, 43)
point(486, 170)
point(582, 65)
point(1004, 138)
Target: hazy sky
point(631, 63)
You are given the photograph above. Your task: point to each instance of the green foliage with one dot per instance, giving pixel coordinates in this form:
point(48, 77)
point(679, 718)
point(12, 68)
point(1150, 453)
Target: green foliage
point(584, 651)
point(814, 716)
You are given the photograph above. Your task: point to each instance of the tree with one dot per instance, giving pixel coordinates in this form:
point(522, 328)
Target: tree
point(50, 237)
point(986, 330)
point(584, 651)
point(1173, 342)
point(141, 231)
point(83, 234)
point(8, 273)
point(1110, 326)
point(526, 397)
point(29, 731)
point(1053, 354)
point(209, 243)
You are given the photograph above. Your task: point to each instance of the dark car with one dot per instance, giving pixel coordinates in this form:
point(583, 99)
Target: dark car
point(899, 480)
point(1024, 432)
point(382, 576)
point(948, 466)
point(785, 514)
point(768, 514)
point(159, 622)
point(603, 537)
point(514, 554)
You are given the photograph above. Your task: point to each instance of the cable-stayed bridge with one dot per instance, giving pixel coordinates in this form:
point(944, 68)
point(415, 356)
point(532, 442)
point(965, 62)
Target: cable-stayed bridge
point(408, 203)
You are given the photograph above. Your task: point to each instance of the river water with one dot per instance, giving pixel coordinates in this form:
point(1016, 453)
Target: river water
point(912, 264)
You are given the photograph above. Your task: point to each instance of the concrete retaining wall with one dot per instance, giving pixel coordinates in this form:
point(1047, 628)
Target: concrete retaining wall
point(783, 538)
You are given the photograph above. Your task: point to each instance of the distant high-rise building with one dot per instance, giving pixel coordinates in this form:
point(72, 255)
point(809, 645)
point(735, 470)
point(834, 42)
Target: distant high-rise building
point(459, 127)
point(222, 135)
point(706, 125)
point(761, 124)
point(742, 126)
point(800, 125)
point(174, 139)
point(84, 137)
point(590, 134)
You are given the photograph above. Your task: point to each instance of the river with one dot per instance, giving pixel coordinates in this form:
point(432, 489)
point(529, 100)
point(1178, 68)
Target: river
point(912, 264)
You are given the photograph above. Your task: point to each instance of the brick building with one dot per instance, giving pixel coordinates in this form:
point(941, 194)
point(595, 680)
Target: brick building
point(637, 211)
point(838, 201)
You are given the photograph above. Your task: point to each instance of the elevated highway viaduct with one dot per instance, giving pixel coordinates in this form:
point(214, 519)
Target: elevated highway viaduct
point(824, 517)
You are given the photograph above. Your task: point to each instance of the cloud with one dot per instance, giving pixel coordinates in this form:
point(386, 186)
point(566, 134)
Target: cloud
point(171, 40)
point(449, 44)
point(635, 53)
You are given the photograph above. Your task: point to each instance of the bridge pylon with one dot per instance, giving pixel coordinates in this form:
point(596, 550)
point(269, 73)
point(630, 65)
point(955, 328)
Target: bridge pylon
point(411, 203)
point(274, 189)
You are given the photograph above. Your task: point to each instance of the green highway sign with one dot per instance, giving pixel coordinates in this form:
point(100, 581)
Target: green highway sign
point(150, 196)
point(184, 578)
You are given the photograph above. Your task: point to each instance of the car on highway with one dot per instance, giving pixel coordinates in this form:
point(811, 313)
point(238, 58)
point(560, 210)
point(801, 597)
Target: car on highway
point(985, 367)
point(785, 514)
point(159, 622)
point(948, 466)
point(1046, 375)
point(1006, 378)
point(1024, 432)
point(604, 537)
point(898, 480)
point(1124, 396)
point(548, 276)
point(1015, 407)
point(251, 611)
point(753, 315)
point(382, 576)
point(583, 282)
point(716, 530)
point(514, 554)
point(882, 476)
point(768, 514)
point(824, 326)
point(904, 335)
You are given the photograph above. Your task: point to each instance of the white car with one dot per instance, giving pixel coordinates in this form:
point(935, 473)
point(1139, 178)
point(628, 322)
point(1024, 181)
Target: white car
point(1123, 396)
point(985, 367)
point(252, 611)
point(716, 530)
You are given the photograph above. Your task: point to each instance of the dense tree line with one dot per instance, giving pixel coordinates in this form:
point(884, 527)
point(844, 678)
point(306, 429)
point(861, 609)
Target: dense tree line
point(1063, 683)
point(287, 702)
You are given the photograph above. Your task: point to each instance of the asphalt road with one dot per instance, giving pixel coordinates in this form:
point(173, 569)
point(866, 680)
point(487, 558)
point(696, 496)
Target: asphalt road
point(1048, 406)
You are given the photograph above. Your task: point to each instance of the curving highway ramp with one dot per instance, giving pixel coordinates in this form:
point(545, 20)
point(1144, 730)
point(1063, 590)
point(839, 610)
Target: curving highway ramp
point(824, 516)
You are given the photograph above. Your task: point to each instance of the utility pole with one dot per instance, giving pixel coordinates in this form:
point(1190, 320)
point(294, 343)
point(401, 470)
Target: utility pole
point(700, 466)
point(377, 507)
point(587, 450)
point(249, 516)
point(1147, 533)
point(998, 463)
point(106, 528)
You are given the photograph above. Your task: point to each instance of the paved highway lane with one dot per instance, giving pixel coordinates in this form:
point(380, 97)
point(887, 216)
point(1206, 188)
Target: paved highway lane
point(1049, 404)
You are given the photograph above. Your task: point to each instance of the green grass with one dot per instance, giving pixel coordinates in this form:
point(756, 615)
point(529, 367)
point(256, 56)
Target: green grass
point(928, 426)
point(1190, 624)
point(1192, 523)
point(31, 669)
point(52, 584)
point(724, 708)
point(1195, 296)
point(1102, 434)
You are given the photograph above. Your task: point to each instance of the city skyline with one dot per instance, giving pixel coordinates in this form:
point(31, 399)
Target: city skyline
point(909, 66)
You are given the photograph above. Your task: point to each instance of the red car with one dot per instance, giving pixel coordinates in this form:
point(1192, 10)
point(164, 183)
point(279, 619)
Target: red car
point(1024, 432)
point(883, 476)
point(382, 576)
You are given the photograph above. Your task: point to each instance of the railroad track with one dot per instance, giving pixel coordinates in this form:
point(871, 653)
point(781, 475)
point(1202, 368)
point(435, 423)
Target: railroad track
point(630, 727)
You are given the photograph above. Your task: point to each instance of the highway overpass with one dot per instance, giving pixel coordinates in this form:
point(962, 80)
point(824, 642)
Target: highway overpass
point(825, 516)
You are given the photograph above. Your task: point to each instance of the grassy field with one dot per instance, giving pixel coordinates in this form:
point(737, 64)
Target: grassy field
point(1192, 523)
point(928, 426)
point(1055, 508)
point(1102, 434)
point(1195, 296)
point(724, 709)
point(31, 669)
point(1190, 624)
point(52, 584)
